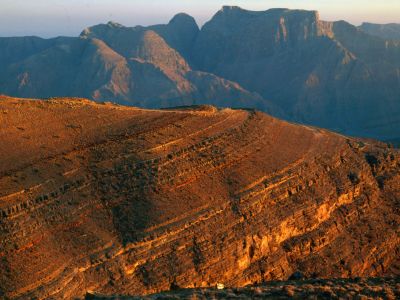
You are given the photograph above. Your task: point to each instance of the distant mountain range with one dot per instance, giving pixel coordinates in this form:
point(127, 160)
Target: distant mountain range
point(387, 31)
point(288, 63)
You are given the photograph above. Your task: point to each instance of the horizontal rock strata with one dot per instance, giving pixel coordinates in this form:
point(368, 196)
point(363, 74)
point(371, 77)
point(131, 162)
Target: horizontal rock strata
point(123, 200)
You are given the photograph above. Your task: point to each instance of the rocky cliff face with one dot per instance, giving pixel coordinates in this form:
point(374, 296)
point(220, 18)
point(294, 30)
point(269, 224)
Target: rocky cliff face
point(328, 74)
point(123, 200)
point(236, 35)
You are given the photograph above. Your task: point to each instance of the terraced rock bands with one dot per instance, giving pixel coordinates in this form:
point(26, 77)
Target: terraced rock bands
point(122, 200)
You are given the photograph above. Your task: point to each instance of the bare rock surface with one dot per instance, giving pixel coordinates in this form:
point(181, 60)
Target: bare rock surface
point(122, 200)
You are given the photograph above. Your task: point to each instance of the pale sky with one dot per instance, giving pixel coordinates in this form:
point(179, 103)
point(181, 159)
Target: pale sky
point(48, 18)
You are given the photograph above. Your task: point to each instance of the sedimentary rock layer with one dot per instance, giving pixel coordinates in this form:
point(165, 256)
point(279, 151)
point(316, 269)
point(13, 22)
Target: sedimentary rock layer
point(121, 200)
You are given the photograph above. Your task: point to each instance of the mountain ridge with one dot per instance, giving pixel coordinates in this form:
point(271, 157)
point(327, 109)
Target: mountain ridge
point(387, 31)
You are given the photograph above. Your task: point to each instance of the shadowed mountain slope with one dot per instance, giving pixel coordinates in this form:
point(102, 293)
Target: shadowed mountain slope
point(327, 74)
point(181, 33)
point(134, 66)
point(122, 200)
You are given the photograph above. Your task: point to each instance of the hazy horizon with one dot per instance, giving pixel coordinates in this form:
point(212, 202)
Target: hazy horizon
point(47, 18)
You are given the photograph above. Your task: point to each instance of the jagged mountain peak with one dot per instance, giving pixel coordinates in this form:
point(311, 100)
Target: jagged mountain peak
point(138, 43)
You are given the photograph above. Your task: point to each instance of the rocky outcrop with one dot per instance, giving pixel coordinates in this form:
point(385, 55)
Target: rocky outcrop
point(121, 200)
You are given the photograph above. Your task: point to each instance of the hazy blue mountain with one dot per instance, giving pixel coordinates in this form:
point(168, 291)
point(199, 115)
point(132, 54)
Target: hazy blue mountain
point(133, 66)
point(329, 74)
point(386, 31)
